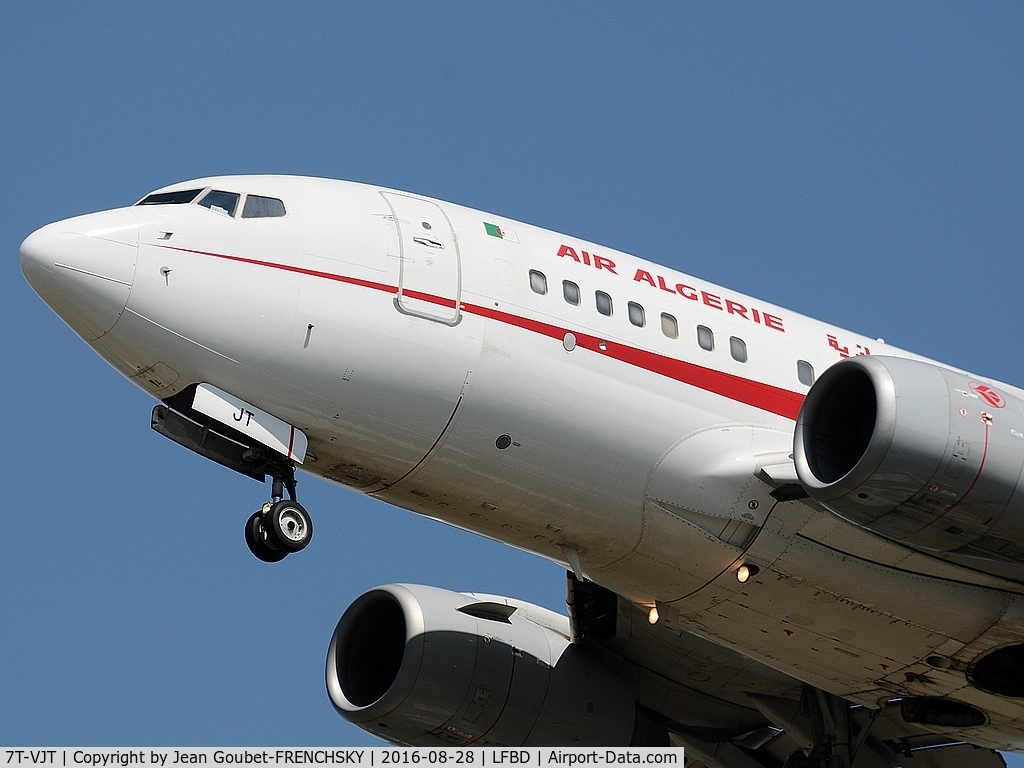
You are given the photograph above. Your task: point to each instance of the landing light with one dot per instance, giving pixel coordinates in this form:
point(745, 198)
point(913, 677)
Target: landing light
point(746, 571)
point(652, 615)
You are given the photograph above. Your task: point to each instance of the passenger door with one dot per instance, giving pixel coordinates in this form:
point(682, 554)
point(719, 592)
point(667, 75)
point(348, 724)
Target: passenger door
point(430, 279)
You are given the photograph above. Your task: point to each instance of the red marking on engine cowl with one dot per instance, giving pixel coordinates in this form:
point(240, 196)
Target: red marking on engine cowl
point(989, 395)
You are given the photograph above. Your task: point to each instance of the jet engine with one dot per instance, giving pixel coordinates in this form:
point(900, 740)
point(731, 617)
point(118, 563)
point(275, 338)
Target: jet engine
point(921, 454)
point(423, 666)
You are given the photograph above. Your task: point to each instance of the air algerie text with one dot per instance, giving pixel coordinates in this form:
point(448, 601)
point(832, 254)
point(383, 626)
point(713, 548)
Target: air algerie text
point(708, 299)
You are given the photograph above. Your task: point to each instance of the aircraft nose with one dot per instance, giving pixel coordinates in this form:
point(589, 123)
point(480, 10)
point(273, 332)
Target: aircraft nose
point(84, 268)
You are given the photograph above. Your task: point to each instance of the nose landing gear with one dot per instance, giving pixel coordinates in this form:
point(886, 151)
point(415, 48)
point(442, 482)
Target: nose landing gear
point(281, 526)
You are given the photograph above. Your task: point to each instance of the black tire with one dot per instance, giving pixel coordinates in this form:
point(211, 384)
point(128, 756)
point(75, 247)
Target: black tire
point(256, 539)
point(288, 526)
point(799, 760)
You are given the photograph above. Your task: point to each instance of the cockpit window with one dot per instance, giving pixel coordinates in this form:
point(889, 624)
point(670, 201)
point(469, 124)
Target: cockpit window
point(178, 197)
point(258, 207)
point(221, 202)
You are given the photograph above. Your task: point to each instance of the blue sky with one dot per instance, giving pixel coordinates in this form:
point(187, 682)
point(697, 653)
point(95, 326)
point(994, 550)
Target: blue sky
point(858, 163)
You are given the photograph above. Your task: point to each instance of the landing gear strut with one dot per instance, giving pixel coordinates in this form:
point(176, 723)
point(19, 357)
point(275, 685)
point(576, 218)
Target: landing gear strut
point(282, 526)
point(835, 737)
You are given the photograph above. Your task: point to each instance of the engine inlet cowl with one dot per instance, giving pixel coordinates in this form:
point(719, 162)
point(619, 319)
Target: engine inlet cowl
point(423, 666)
point(918, 453)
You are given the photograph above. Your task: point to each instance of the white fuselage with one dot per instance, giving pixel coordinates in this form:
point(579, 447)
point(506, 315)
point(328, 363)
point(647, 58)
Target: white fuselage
point(428, 367)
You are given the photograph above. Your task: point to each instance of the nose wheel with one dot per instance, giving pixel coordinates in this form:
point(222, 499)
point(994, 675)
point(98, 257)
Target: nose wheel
point(289, 526)
point(281, 527)
point(259, 542)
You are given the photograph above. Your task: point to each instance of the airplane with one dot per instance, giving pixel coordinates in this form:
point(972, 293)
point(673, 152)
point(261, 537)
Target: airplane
point(786, 544)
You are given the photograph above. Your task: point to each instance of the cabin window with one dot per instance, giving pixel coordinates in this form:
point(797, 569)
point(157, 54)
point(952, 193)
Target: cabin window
point(705, 338)
point(178, 197)
point(604, 303)
point(538, 282)
point(669, 326)
point(738, 349)
point(571, 292)
point(221, 202)
point(259, 207)
point(636, 314)
point(805, 372)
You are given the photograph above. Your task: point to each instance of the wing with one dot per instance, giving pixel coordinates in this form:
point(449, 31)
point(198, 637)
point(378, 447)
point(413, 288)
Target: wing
point(730, 711)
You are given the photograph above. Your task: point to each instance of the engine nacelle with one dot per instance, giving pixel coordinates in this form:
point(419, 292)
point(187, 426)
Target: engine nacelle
point(423, 666)
point(920, 454)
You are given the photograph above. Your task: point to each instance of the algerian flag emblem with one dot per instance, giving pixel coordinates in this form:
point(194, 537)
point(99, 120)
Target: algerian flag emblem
point(500, 232)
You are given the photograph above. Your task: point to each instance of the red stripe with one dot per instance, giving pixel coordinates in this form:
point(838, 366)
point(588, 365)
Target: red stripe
point(508, 695)
point(299, 270)
point(777, 400)
point(389, 486)
point(730, 565)
point(974, 482)
point(764, 396)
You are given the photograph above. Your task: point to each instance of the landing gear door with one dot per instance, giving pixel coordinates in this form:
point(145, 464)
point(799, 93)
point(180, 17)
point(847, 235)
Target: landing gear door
point(430, 280)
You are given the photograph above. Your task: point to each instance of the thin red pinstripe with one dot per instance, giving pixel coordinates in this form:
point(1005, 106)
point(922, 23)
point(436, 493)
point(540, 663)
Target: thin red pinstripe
point(747, 391)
